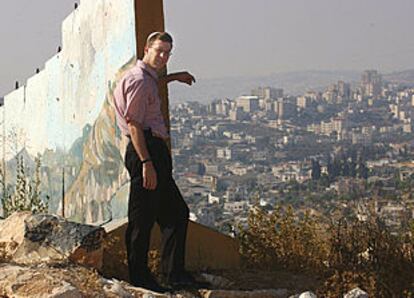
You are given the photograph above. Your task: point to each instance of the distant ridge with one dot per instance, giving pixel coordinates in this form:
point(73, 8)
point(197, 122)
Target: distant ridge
point(403, 77)
point(293, 83)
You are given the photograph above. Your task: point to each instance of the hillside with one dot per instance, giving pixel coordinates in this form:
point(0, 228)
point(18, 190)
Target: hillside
point(404, 77)
point(293, 83)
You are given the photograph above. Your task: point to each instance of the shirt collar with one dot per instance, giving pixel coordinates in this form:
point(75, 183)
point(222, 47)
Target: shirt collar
point(148, 69)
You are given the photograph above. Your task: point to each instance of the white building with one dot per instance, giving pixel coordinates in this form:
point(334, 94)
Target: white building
point(224, 153)
point(248, 103)
point(235, 206)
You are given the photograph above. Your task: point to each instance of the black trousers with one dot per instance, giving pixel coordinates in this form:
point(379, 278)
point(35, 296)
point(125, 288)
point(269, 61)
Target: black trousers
point(164, 205)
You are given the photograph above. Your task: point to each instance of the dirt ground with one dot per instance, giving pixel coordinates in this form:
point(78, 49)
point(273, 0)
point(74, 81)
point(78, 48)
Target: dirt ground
point(276, 279)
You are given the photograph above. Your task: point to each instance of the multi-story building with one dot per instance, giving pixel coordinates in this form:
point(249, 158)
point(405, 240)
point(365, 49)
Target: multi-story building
point(344, 90)
point(249, 104)
point(371, 83)
point(224, 153)
point(395, 110)
point(313, 95)
point(220, 107)
point(284, 108)
point(267, 92)
point(303, 101)
point(336, 124)
point(237, 114)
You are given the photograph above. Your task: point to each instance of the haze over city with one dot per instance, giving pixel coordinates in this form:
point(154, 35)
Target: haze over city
point(215, 39)
point(294, 149)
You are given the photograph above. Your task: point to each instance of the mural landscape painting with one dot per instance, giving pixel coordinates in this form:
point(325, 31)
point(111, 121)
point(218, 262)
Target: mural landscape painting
point(64, 115)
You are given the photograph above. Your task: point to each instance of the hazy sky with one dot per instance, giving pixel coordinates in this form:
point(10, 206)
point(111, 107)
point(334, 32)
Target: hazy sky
point(216, 38)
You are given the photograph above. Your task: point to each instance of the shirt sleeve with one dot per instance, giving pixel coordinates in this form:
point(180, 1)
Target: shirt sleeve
point(136, 95)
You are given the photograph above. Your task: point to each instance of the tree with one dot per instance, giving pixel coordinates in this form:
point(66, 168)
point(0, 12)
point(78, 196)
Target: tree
point(345, 168)
point(362, 170)
point(316, 170)
point(334, 169)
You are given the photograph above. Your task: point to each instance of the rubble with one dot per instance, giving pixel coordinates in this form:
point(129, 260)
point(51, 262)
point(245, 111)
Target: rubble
point(49, 257)
point(43, 238)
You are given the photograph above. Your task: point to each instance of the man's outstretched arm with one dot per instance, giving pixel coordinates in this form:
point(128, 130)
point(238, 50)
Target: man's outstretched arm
point(182, 77)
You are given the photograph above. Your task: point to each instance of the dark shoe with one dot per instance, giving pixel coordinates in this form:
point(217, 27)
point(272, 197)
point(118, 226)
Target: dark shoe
point(185, 280)
point(148, 282)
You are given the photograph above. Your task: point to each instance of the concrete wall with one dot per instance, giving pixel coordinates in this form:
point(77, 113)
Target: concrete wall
point(64, 113)
point(206, 249)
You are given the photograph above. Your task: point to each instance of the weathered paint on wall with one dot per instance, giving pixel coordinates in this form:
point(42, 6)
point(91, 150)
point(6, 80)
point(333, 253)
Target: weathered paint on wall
point(97, 40)
point(64, 113)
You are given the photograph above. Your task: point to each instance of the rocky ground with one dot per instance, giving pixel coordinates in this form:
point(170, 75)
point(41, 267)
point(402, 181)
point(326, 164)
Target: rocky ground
point(49, 257)
point(73, 281)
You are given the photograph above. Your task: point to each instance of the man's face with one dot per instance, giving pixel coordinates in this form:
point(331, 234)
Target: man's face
point(156, 56)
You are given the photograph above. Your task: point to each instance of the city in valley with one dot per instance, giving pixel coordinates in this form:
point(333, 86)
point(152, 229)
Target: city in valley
point(347, 151)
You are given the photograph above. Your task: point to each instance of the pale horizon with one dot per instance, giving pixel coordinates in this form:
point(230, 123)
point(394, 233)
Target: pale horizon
point(236, 38)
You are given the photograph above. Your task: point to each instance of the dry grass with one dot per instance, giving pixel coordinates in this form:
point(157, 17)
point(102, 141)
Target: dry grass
point(344, 255)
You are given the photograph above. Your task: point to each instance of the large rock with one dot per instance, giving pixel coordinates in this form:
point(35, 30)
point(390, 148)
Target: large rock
point(356, 293)
point(270, 293)
point(34, 239)
point(12, 234)
point(308, 294)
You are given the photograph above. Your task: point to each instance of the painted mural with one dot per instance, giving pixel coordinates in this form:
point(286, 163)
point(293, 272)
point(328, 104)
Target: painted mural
point(65, 115)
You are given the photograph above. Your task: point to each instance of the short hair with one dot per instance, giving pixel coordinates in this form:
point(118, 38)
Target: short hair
point(163, 36)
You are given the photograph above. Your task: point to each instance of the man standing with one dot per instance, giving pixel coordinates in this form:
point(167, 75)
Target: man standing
point(154, 196)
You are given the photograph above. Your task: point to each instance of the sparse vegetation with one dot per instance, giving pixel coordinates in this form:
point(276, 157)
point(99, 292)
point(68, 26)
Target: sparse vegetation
point(345, 254)
point(277, 239)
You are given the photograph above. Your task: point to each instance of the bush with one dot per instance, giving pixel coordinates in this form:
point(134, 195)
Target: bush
point(278, 239)
point(345, 254)
point(369, 254)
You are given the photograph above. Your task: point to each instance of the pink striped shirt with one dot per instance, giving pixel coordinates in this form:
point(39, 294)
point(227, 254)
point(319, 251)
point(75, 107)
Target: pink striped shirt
point(137, 99)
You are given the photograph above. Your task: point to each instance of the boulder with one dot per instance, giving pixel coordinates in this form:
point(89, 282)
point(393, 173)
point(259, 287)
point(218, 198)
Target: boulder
point(308, 294)
point(217, 282)
point(356, 293)
point(43, 238)
point(270, 293)
point(114, 287)
point(12, 234)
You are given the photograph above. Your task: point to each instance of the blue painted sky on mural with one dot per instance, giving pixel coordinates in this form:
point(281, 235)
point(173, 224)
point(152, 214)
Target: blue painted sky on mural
point(218, 38)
